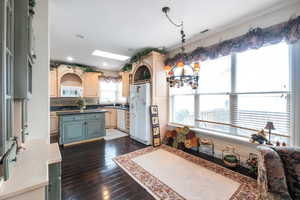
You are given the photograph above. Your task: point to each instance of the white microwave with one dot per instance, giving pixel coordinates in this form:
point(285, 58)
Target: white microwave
point(71, 91)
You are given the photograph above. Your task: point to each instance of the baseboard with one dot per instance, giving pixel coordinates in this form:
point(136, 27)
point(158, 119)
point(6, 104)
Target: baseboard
point(83, 141)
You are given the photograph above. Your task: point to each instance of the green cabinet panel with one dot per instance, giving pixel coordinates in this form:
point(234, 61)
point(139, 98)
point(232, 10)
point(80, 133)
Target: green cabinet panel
point(73, 131)
point(53, 190)
point(79, 127)
point(9, 160)
point(95, 128)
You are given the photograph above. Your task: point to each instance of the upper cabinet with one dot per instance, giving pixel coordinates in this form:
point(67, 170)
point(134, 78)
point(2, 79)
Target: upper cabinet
point(125, 84)
point(66, 81)
point(53, 82)
point(24, 49)
point(91, 84)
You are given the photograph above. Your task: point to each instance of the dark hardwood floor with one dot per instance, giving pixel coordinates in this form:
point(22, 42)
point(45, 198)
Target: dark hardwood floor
point(89, 173)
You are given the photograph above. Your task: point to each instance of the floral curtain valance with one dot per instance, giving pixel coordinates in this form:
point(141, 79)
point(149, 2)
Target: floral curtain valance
point(254, 39)
point(110, 78)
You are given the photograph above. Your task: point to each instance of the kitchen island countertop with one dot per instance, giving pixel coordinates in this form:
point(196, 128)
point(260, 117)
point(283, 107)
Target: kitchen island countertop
point(77, 112)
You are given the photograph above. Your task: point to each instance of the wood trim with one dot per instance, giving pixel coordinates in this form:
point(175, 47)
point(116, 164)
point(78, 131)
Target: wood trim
point(240, 127)
point(84, 141)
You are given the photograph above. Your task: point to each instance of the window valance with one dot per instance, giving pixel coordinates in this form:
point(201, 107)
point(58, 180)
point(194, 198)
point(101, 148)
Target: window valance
point(254, 39)
point(110, 78)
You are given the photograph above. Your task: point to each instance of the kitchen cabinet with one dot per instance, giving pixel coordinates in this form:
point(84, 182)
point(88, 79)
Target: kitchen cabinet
point(125, 84)
point(72, 131)
point(24, 50)
point(53, 123)
point(121, 125)
point(53, 190)
point(81, 126)
point(91, 84)
point(94, 125)
point(88, 81)
point(54, 126)
point(53, 83)
point(110, 118)
point(127, 121)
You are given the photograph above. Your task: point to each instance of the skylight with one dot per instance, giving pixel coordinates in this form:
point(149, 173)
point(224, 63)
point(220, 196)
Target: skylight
point(109, 55)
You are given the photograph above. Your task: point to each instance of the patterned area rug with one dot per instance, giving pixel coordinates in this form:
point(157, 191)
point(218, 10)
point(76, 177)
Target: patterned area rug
point(171, 174)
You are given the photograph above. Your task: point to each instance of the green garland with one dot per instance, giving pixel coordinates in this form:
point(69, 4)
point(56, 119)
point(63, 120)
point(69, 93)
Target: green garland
point(138, 56)
point(85, 68)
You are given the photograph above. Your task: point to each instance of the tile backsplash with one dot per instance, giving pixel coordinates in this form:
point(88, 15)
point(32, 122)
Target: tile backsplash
point(71, 101)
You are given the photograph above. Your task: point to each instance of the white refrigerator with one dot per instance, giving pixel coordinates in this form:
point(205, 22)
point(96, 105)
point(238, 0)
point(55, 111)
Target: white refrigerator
point(140, 101)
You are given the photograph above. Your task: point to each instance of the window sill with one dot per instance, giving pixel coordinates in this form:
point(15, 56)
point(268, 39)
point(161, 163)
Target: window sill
point(218, 135)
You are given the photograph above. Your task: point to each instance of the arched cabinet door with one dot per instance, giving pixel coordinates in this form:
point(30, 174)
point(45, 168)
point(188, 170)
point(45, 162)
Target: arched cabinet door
point(142, 73)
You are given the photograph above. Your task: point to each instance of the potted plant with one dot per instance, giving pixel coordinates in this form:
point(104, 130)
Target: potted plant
point(81, 103)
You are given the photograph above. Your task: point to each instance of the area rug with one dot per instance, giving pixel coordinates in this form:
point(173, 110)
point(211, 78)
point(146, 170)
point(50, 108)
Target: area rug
point(112, 134)
point(170, 174)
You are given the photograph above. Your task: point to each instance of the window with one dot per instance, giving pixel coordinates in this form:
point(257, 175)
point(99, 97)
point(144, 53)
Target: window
point(246, 89)
point(262, 89)
point(183, 103)
point(111, 91)
point(213, 93)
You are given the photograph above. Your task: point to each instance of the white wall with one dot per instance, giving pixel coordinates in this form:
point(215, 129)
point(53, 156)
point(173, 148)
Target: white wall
point(38, 106)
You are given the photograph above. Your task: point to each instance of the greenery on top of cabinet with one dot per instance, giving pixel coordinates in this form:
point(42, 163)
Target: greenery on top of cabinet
point(139, 55)
point(85, 68)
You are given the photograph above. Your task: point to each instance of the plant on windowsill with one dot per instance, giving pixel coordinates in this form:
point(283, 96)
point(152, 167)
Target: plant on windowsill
point(181, 138)
point(81, 103)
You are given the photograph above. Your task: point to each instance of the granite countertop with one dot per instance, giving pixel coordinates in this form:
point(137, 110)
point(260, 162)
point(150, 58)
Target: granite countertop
point(117, 107)
point(89, 107)
point(77, 112)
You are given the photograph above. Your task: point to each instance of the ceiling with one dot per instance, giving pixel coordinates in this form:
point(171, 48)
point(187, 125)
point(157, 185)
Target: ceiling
point(125, 26)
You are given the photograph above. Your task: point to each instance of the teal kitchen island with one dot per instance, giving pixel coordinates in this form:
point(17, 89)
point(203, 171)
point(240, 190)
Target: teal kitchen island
point(78, 127)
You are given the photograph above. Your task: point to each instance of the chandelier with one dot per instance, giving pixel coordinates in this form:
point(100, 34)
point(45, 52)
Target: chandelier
point(183, 73)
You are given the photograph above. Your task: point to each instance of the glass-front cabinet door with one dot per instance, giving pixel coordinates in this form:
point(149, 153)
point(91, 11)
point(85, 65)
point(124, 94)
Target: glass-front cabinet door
point(6, 67)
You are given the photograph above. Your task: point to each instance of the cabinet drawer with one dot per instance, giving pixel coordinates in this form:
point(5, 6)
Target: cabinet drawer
point(72, 118)
point(94, 116)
